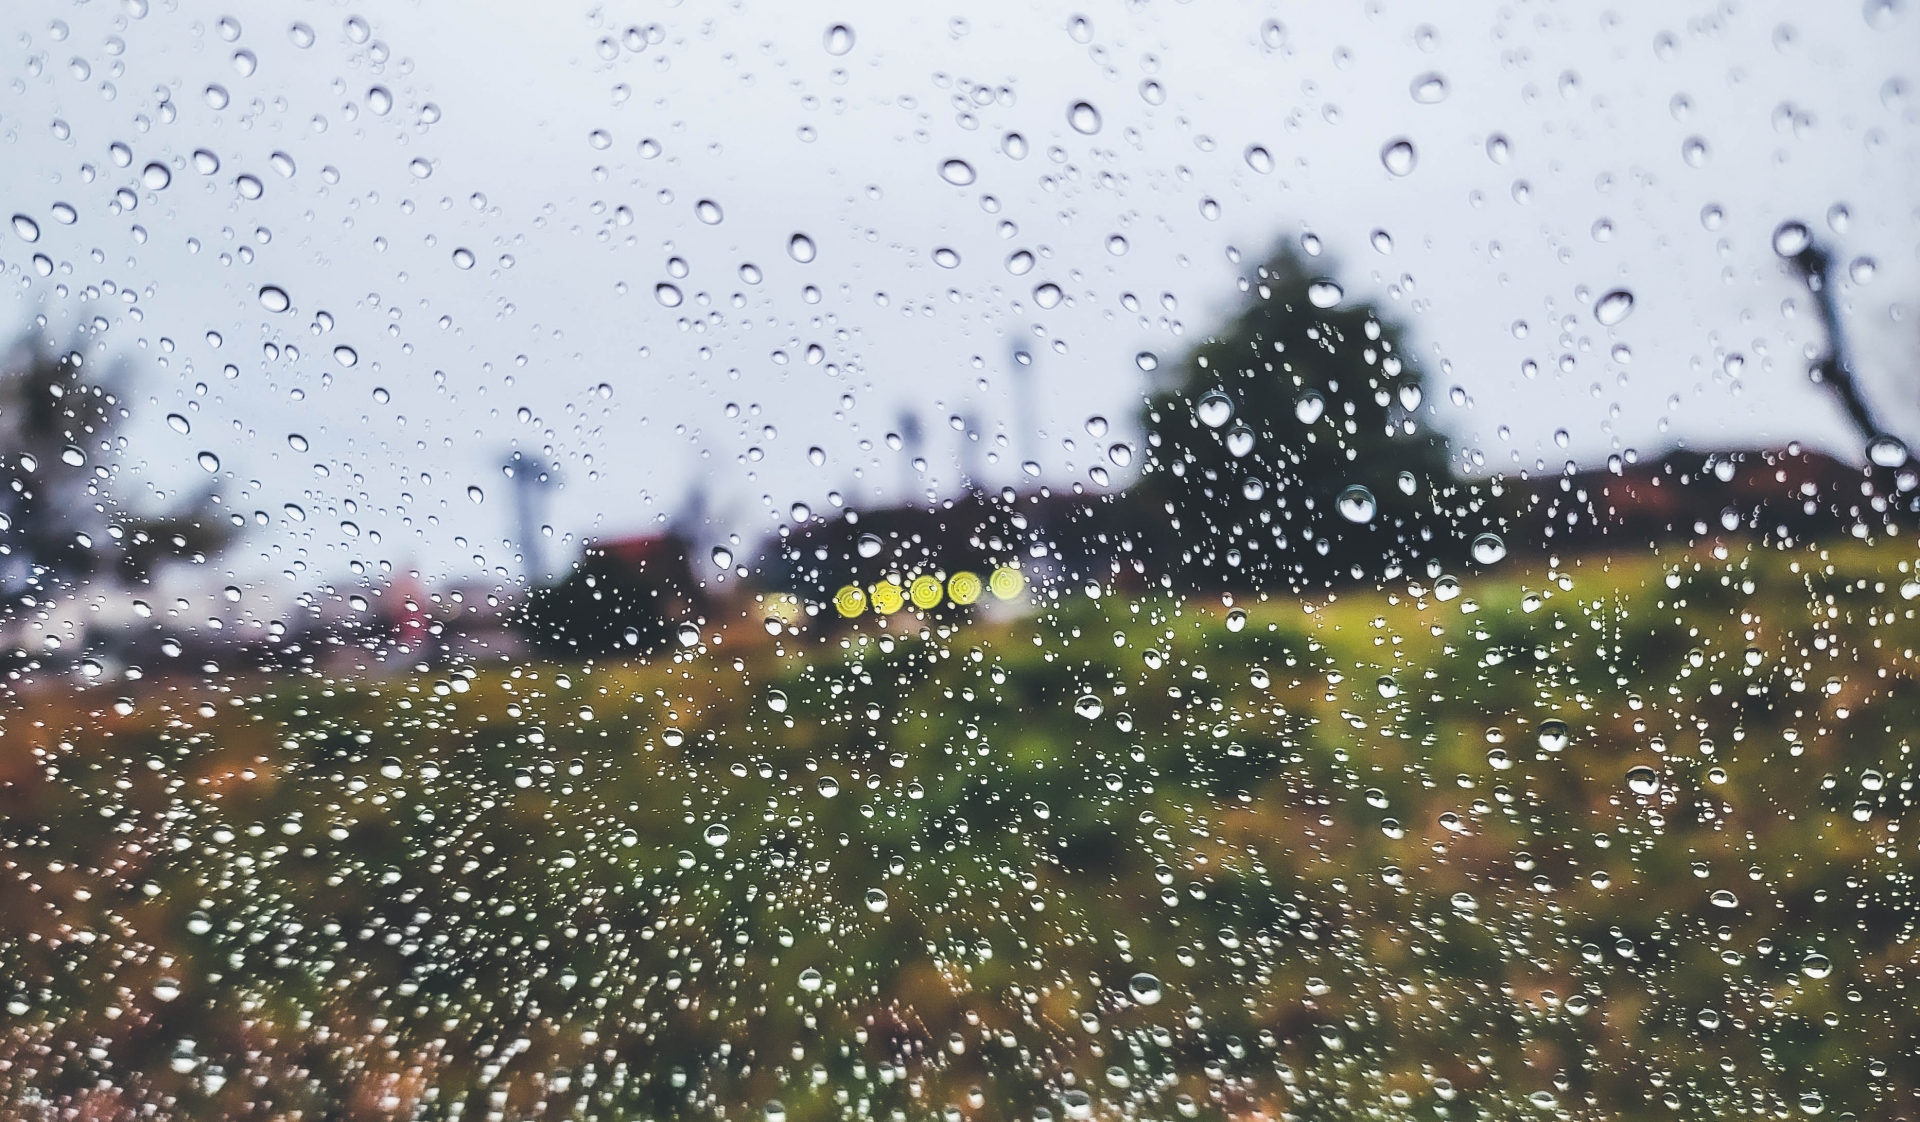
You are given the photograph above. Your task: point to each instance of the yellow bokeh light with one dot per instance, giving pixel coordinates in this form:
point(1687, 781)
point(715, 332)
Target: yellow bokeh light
point(850, 601)
point(925, 591)
point(887, 598)
point(964, 588)
point(1006, 582)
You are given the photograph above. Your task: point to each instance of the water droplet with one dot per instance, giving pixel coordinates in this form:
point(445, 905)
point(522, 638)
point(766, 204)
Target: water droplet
point(72, 456)
point(274, 298)
point(946, 258)
point(1382, 241)
point(838, 39)
point(800, 248)
point(1214, 409)
point(1356, 504)
point(1499, 148)
point(722, 557)
point(1084, 118)
point(1553, 735)
point(476, 495)
point(249, 187)
point(209, 462)
point(1147, 361)
point(205, 162)
point(155, 177)
point(1089, 706)
point(750, 273)
point(346, 356)
point(1210, 209)
point(1398, 157)
point(1721, 898)
point(27, 228)
point(709, 212)
point(1019, 262)
point(1791, 238)
point(1014, 145)
point(166, 989)
point(957, 172)
point(1120, 454)
point(1861, 270)
point(419, 168)
point(1047, 295)
point(463, 258)
point(1387, 687)
point(1613, 307)
point(301, 34)
point(869, 545)
point(1816, 965)
point(1259, 159)
point(296, 442)
point(380, 100)
point(1430, 88)
point(179, 424)
point(1643, 780)
point(1309, 408)
point(1407, 482)
point(668, 295)
point(1144, 989)
point(1324, 293)
point(216, 95)
point(810, 982)
point(1488, 549)
point(1239, 441)
point(1887, 451)
point(876, 901)
point(717, 834)
point(1694, 151)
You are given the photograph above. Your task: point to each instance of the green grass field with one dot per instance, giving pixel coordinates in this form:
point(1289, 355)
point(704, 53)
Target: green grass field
point(1618, 840)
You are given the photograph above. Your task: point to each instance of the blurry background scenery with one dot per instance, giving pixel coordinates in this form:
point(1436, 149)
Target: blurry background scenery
point(1151, 561)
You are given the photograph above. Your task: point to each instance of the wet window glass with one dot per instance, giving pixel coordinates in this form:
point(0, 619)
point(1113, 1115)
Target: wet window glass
point(970, 563)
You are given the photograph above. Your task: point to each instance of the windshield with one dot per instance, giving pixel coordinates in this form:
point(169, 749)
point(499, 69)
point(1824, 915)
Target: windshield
point(993, 563)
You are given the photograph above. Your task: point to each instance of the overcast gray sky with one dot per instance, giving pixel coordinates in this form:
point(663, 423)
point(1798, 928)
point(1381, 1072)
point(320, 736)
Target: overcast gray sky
point(478, 203)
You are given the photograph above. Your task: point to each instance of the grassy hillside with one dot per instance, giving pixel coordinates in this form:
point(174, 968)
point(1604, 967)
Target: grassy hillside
point(1617, 840)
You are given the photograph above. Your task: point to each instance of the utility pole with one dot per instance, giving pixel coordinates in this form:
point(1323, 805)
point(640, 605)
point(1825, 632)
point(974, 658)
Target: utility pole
point(912, 437)
point(530, 483)
point(969, 456)
point(1020, 366)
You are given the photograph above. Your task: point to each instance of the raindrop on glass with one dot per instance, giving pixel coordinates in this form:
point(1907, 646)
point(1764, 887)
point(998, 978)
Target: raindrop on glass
point(1214, 409)
point(1429, 88)
point(1356, 504)
point(1791, 238)
point(1398, 157)
point(1613, 307)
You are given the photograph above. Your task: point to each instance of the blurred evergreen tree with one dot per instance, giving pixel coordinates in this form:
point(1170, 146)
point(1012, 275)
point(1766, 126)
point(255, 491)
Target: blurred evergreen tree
point(62, 524)
point(1257, 447)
